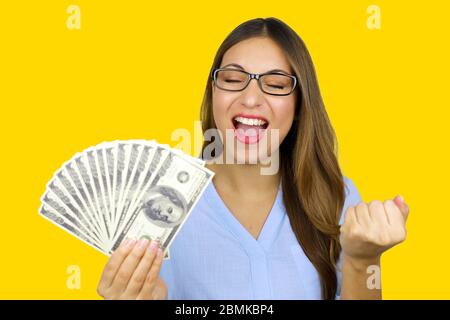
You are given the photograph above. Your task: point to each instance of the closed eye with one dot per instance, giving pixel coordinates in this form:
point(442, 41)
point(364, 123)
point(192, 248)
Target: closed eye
point(232, 81)
point(276, 87)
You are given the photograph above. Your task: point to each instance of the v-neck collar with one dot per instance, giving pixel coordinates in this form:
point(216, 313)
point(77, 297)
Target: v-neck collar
point(268, 232)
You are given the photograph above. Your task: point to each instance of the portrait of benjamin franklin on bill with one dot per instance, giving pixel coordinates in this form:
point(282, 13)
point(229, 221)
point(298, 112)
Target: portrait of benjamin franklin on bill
point(164, 206)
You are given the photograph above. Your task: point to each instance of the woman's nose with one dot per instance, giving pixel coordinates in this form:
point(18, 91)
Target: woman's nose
point(252, 96)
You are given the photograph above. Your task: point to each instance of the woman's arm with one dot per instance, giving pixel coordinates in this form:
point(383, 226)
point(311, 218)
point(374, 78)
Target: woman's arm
point(356, 284)
point(368, 231)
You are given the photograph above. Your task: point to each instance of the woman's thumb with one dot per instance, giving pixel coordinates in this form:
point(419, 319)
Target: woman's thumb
point(401, 204)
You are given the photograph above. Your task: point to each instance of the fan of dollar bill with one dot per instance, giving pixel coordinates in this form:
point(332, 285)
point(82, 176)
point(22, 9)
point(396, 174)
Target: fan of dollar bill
point(125, 189)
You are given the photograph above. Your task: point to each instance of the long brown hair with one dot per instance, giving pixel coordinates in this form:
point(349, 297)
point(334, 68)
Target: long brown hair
point(312, 182)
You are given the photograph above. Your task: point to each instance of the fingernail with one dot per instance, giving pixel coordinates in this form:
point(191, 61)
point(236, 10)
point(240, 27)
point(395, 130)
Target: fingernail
point(160, 252)
point(128, 242)
point(153, 245)
point(143, 243)
point(401, 198)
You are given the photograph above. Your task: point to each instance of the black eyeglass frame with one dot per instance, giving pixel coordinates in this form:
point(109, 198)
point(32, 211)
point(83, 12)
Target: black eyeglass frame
point(254, 76)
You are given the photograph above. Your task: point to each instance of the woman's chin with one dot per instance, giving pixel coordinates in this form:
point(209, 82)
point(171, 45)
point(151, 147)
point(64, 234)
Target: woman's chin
point(250, 156)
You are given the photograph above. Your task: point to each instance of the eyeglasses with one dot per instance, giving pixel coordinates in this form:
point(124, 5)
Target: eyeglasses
point(273, 83)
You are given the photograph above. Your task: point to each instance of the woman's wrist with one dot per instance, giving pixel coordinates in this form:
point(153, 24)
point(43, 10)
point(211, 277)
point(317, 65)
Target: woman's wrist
point(360, 264)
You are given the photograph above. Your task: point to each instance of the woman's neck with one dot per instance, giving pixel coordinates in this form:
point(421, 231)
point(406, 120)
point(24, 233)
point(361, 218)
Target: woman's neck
point(245, 179)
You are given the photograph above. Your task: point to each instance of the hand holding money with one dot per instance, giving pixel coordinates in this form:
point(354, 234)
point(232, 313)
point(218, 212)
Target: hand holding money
point(132, 272)
point(128, 200)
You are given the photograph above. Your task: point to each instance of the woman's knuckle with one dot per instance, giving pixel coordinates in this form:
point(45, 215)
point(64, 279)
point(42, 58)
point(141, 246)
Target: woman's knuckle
point(151, 279)
point(401, 235)
point(384, 239)
point(136, 255)
point(123, 275)
point(139, 279)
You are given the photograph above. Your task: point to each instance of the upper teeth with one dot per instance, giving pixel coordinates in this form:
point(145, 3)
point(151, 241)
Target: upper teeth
point(250, 122)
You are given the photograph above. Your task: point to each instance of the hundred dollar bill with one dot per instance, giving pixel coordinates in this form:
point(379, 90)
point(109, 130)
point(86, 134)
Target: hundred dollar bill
point(166, 201)
point(158, 153)
point(69, 205)
point(120, 175)
point(97, 186)
point(104, 178)
point(63, 181)
point(50, 214)
point(84, 170)
point(131, 163)
point(81, 190)
point(133, 186)
point(52, 201)
point(137, 188)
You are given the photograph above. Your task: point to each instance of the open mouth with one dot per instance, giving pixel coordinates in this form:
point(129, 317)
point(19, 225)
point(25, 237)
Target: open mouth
point(249, 129)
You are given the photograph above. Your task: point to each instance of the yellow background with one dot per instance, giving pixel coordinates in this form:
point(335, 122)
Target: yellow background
point(137, 69)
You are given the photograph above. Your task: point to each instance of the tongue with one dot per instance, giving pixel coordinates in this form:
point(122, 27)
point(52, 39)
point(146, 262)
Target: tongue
point(248, 134)
point(248, 130)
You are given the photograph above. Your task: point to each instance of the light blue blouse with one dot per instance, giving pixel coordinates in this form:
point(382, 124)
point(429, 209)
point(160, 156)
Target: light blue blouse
point(214, 257)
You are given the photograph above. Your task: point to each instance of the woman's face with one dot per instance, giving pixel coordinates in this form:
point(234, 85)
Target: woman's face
point(255, 55)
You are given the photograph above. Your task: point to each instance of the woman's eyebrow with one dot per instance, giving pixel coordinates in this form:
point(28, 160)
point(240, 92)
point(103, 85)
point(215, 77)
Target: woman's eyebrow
point(242, 68)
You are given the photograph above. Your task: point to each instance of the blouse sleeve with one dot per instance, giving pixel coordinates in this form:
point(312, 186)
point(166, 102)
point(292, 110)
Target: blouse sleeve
point(352, 198)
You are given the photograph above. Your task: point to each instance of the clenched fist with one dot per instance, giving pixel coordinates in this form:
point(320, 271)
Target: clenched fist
point(370, 229)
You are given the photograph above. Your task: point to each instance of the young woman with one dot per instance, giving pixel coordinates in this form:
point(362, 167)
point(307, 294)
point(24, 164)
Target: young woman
point(300, 233)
